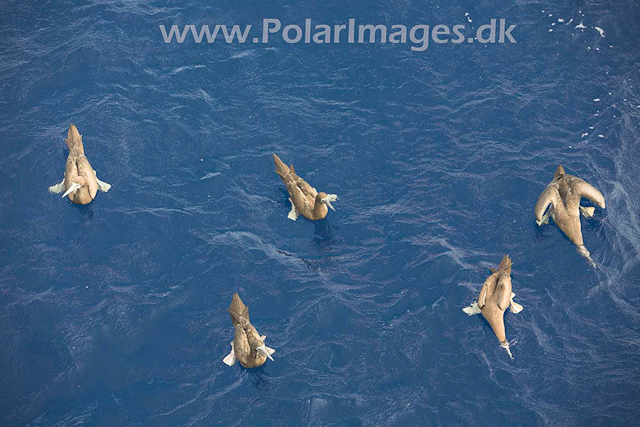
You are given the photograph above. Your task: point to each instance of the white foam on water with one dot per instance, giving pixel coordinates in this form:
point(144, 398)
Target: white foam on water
point(185, 68)
point(243, 54)
point(506, 347)
point(210, 175)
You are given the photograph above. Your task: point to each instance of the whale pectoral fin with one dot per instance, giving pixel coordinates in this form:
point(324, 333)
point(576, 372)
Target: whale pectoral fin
point(482, 298)
point(263, 337)
point(230, 360)
point(58, 188)
point(504, 299)
point(269, 350)
point(584, 189)
point(293, 214)
point(472, 309)
point(548, 197)
point(102, 186)
point(514, 306)
point(587, 212)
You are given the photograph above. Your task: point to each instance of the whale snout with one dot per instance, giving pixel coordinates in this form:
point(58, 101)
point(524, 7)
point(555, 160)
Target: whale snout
point(73, 133)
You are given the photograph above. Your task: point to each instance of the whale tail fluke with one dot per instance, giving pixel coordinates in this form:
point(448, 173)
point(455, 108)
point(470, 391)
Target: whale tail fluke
point(542, 221)
point(238, 310)
point(293, 213)
point(472, 309)
point(58, 188)
point(230, 359)
point(587, 212)
point(514, 306)
point(103, 186)
point(281, 169)
point(74, 141)
point(505, 264)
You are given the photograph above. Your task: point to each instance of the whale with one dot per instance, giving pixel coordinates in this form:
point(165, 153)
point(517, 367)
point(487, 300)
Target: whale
point(305, 200)
point(247, 346)
point(562, 198)
point(80, 183)
point(495, 297)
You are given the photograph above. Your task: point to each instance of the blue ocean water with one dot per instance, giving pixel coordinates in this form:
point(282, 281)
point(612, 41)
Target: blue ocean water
point(115, 312)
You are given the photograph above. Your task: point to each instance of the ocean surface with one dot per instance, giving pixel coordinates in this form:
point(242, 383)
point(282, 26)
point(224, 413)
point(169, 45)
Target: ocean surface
point(116, 312)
